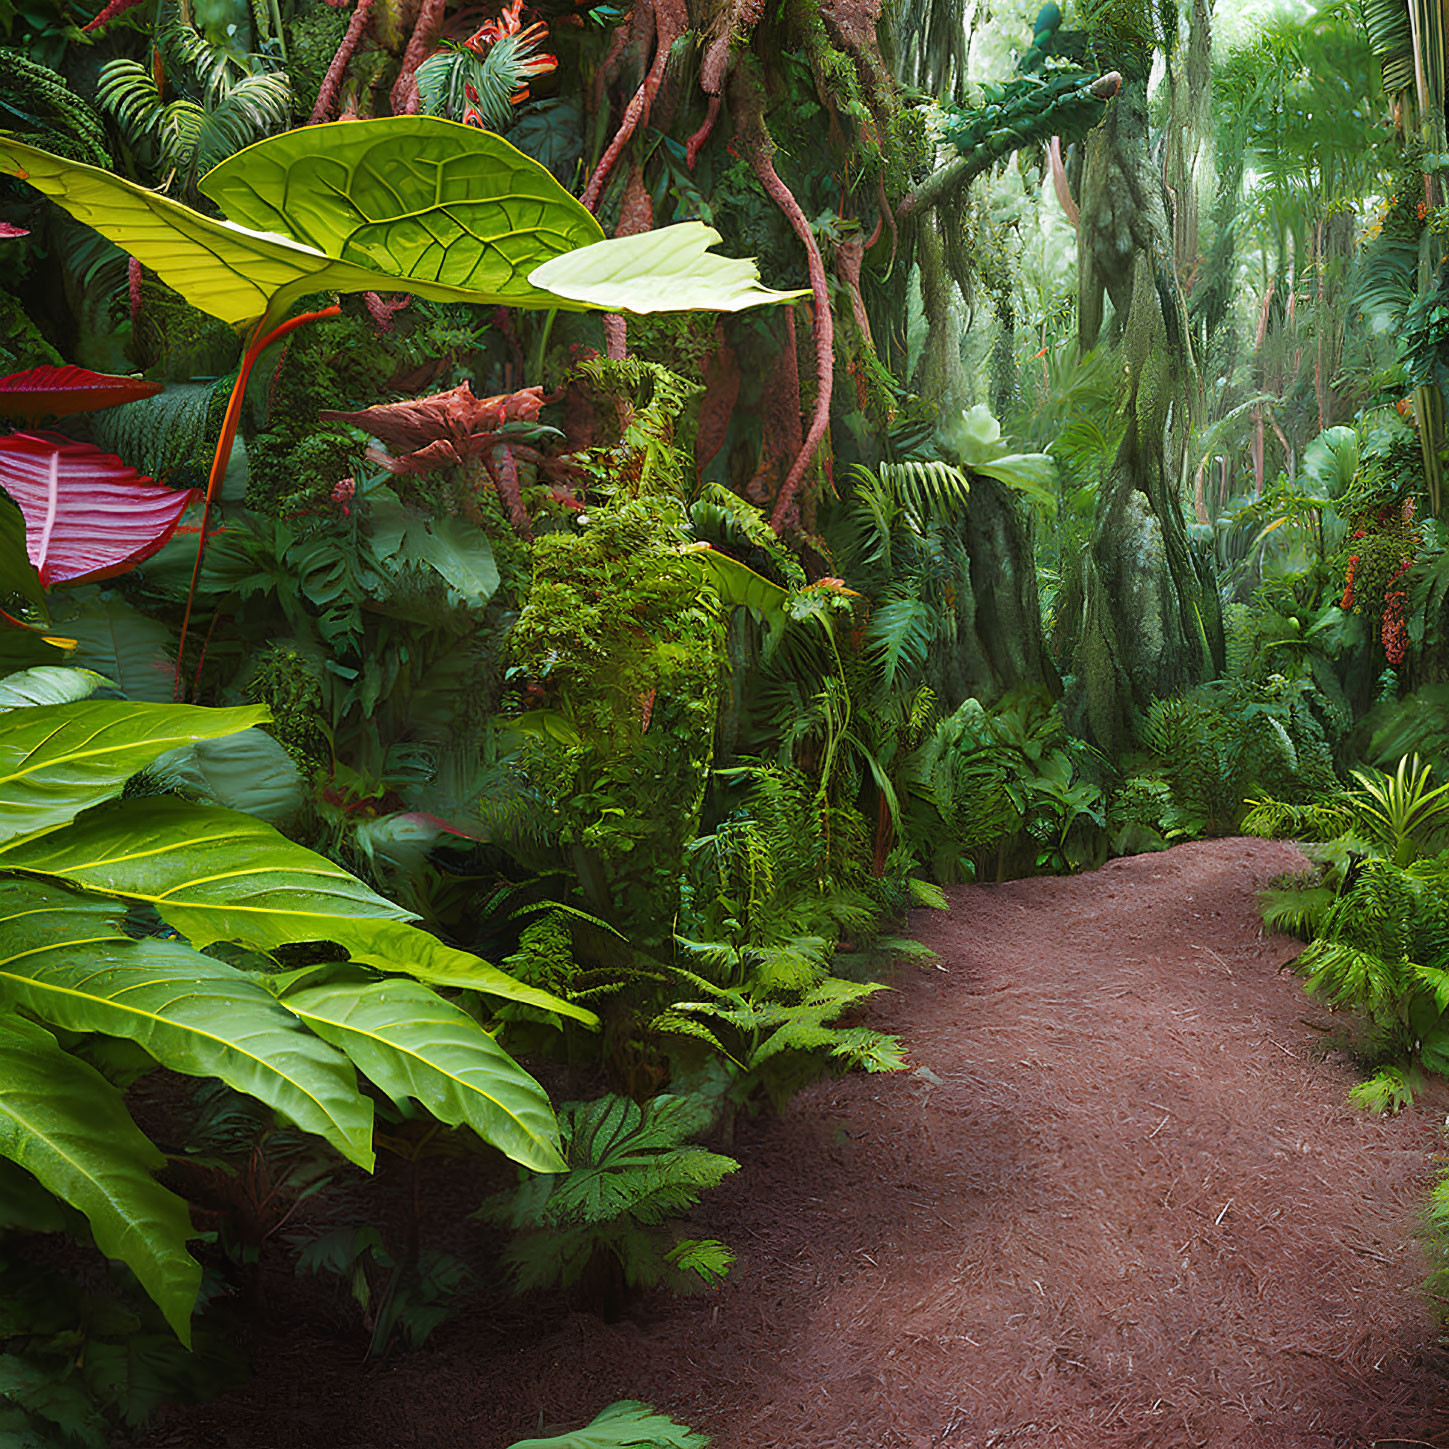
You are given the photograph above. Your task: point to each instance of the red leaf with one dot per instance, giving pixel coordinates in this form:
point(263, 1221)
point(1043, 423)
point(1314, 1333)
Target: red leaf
point(62, 390)
point(464, 422)
point(9, 229)
point(88, 515)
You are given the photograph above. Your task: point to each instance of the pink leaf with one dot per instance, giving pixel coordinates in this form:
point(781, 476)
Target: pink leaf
point(88, 515)
point(62, 390)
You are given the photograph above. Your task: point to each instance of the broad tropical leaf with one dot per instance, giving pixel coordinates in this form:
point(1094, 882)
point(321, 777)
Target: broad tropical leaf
point(56, 760)
point(414, 203)
point(60, 391)
point(217, 875)
point(248, 771)
point(413, 1043)
point(627, 1424)
point(734, 582)
point(47, 684)
point(88, 515)
point(975, 438)
point(226, 270)
point(456, 212)
point(65, 1123)
point(115, 639)
point(66, 960)
point(668, 270)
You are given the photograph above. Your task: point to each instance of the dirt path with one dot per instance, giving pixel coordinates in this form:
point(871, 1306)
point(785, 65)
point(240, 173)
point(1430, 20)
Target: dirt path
point(1119, 1203)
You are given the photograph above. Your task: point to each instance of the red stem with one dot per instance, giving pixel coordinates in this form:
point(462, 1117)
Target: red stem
point(222, 457)
point(695, 144)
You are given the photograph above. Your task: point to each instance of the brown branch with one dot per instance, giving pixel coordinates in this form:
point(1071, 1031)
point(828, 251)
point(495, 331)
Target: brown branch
point(670, 22)
point(405, 87)
point(332, 82)
point(760, 149)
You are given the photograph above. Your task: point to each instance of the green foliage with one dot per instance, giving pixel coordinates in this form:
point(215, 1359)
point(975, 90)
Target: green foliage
point(226, 104)
point(1229, 738)
point(391, 1294)
point(40, 105)
point(622, 636)
point(82, 1353)
point(777, 1034)
point(605, 1223)
point(1003, 793)
point(1402, 812)
point(86, 896)
point(623, 1425)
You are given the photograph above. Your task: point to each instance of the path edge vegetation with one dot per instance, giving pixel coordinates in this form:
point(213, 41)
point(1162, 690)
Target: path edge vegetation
point(563, 534)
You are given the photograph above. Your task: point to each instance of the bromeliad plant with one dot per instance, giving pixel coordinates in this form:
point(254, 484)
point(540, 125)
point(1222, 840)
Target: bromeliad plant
point(112, 902)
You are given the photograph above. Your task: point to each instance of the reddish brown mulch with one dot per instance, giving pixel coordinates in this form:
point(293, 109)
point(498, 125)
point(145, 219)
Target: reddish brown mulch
point(1120, 1202)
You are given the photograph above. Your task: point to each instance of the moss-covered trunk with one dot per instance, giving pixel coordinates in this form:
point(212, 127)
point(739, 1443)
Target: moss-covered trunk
point(1145, 624)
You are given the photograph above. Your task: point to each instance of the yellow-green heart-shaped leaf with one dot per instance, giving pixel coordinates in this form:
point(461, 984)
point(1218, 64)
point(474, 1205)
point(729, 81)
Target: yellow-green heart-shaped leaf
point(449, 211)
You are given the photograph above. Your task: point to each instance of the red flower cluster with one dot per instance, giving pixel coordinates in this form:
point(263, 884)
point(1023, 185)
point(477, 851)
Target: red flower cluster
point(1392, 631)
point(1347, 601)
point(508, 27)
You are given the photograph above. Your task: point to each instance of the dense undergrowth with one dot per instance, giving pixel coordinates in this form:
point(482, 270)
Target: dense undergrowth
point(473, 707)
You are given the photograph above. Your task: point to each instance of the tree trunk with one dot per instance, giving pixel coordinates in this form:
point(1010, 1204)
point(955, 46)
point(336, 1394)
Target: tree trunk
point(1146, 626)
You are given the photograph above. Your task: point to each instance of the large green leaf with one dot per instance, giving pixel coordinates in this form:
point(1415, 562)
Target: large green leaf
point(248, 771)
point(56, 760)
point(62, 1121)
point(413, 1043)
point(217, 875)
point(65, 959)
point(669, 270)
point(226, 270)
point(456, 212)
point(117, 640)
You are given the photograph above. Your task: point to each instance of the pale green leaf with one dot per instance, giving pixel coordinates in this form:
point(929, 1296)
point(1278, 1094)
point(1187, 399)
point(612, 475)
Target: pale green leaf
point(227, 270)
point(48, 684)
point(218, 875)
point(412, 1043)
point(56, 760)
point(460, 553)
point(65, 959)
point(63, 1122)
point(668, 270)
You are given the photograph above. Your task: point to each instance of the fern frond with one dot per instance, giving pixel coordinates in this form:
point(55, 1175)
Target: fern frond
point(1345, 975)
point(899, 636)
point(1387, 1092)
point(931, 490)
point(128, 90)
point(1296, 911)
